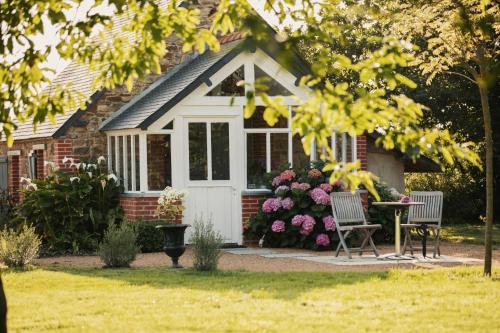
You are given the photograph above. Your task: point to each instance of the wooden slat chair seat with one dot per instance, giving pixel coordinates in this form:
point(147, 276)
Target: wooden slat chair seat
point(349, 217)
point(429, 214)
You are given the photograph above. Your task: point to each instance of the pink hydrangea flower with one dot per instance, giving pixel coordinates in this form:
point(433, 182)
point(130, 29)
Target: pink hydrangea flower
point(301, 186)
point(276, 181)
point(287, 175)
point(320, 197)
point(307, 225)
point(287, 203)
point(326, 187)
point(271, 205)
point(315, 173)
point(282, 189)
point(297, 220)
point(278, 226)
point(329, 222)
point(323, 240)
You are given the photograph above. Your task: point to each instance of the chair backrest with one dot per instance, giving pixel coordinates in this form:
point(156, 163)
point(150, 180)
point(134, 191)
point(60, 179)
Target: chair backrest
point(431, 212)
point(347, 208)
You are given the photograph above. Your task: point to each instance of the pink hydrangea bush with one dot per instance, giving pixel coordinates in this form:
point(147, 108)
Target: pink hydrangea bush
point(298, 214)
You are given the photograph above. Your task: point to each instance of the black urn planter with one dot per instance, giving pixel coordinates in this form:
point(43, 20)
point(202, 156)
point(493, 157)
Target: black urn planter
point(174, 246)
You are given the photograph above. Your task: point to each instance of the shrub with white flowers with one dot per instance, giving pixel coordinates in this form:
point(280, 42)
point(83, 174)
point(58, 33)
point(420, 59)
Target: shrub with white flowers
point(71, 211)
point(170, 205)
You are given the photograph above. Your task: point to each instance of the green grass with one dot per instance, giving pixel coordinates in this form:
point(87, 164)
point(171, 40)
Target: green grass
point(153, 300)
point(467, 233)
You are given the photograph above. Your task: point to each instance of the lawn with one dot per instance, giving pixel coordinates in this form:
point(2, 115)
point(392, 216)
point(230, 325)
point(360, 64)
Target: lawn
point(469, 233)
point(152, 300)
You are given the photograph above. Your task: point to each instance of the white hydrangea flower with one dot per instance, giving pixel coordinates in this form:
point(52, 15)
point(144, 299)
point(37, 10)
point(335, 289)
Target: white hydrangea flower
point(66, 160)
point(91, 166)
point(71, 179)
point(101, 160)
point(90, 174)
point(25, 180)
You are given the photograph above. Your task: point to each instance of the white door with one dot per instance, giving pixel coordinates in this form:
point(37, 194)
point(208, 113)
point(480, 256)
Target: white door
point(210, 169)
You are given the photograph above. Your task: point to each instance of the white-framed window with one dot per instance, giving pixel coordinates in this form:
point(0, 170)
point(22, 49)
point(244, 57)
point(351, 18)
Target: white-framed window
point(142, 161)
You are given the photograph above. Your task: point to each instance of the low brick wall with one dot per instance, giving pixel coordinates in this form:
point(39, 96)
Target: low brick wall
point(250, 204)
point(139, 207)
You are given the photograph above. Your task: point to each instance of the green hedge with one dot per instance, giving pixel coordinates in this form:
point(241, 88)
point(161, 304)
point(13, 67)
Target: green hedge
point(149, 239)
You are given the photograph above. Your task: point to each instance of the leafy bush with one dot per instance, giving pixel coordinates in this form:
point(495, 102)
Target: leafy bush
point(71, 211)
point(149, 239)
point(382, 215)
point(18, 249)
point(206, 243)
point(118, 248)
point(463, 192)
point(299, 213)
point(6, 208)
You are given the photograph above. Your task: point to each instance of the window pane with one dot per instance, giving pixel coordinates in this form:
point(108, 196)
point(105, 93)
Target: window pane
point(300, 159)
point(113, 154)
point(129, 163)
point(159, 161)
point(256, 160)
point(257, 120)
point(322, 150)
point(137, 164)
point(120, 159)
point(220, 151)
point(228, 86)
point(268, 85)
point(198, 160)
point(349, 148)
point(279, 150)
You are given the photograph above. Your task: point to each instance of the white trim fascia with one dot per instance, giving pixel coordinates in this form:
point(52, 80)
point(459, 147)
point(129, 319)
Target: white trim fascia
point(41, 146)
point(14, 153)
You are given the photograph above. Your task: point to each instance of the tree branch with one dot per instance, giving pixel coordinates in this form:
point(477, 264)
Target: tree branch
point(462, 75)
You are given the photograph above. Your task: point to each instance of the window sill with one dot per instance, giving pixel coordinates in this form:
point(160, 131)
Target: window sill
point(256, 192)
point(140, 194)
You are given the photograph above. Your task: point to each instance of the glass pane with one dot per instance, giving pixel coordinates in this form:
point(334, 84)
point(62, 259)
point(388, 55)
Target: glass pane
point(257, 120)
point(279, 150)
point(113, 154)
point(159, 161)
point(198, 159)
point(120, 158)
point(137, 164)
point(129, 163)
point(256, 160)
point(322, 150)
point(300, 159)
point(338, 147)
point(349, 148)
point(228, 86)
point(220, 151)
point(266, 84)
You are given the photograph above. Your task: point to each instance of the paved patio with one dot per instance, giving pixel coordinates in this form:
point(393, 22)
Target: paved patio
point(281, 260)
point(356, 259)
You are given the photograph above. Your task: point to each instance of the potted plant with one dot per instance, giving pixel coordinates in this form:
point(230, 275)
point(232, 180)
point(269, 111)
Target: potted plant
point(170, 210)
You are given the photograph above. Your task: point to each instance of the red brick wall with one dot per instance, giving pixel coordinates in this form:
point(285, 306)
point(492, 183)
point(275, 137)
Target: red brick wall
point(14, 177)
point(250, 204)
point(40, 169)
point(141, 207)
point(362, 151)
point(63, 148)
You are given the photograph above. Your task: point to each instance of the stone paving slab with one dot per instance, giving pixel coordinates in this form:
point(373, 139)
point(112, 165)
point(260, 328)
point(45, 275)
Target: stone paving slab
point(287, 255)
point(247, 250)
point(372, 260)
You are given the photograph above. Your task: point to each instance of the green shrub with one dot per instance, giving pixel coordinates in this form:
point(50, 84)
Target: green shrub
point(18, 249)
point(118, 248)
point(206, 243)
point(149, 239)
point(71, 211)
point(382, 215)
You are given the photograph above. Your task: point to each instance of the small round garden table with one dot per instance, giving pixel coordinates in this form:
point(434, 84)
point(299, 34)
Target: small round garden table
point(398, 208)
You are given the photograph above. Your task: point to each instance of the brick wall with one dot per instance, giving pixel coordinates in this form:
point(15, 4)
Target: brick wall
point(63, 148)
point(40, 169)
point(362, 151)
point(14, 177)
point(141, 207)
point(250, 204)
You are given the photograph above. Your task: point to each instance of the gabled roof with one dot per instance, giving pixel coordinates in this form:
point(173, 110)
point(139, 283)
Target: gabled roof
point(170, 88)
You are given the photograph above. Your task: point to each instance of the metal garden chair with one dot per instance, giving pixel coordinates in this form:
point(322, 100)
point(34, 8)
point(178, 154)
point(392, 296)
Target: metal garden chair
point(350, 218)
point(428, 215)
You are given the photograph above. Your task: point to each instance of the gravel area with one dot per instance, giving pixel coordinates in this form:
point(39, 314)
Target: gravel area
point(257, 263)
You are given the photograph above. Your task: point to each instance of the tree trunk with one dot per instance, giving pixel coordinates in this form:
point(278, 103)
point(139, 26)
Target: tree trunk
point(488, 135)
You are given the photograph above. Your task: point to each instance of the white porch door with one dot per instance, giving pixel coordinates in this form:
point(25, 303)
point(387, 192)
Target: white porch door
point(210, 170)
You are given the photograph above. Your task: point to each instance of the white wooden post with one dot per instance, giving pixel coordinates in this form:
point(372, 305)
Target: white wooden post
point(143, 153)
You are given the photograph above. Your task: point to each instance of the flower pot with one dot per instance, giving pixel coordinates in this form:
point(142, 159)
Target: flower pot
point(174, 246)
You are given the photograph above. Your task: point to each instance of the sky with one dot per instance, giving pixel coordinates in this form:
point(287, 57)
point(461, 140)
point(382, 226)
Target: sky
point(58, 64)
